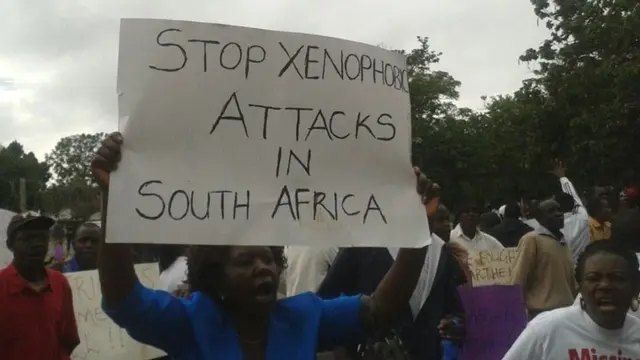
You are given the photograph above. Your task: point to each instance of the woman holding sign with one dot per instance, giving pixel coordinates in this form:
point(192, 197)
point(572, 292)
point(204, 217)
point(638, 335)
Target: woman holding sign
point(233, 312)
point(599, 327)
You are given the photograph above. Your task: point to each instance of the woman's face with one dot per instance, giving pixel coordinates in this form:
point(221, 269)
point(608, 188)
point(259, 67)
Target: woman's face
point(252, 276)
point(607, 289)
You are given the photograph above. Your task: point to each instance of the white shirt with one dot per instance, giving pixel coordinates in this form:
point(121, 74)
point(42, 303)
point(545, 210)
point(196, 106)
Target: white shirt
point(501, 211)
point(480, 242)
point(570, 334)
point(307, 267)
point(576, 223)
point(173, 276)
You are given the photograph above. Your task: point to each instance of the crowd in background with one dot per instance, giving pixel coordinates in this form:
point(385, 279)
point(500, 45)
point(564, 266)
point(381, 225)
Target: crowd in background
point(576, 263)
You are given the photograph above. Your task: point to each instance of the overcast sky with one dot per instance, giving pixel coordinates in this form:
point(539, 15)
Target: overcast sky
point(58, 57)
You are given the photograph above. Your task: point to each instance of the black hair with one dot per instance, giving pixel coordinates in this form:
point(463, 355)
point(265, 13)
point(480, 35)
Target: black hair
point(89, 225)
point(468, 208)
point(442, 212)
point(610, 247)
point(595, 205)
point(537, 212)
point(512, 210)
point(205, 267)
point(489, 219)
point(566, 201)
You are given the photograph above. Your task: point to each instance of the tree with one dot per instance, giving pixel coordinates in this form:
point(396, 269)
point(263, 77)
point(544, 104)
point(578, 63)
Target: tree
point(589, 70)
point(78, 199)
point(73, 189)
point(445, 137)
point(70, 159)
point(14, 165)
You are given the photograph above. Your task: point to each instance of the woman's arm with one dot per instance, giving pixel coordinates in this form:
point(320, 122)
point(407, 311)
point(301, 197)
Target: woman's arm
point(115, 265)
point(382, 308)
point(115, 261)
point(344, 319)
point(151, 317)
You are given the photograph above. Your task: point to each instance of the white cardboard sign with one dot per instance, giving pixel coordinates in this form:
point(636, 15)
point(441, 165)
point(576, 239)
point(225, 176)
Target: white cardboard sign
point(101, 338)
point(243, 136)
point(6, 256)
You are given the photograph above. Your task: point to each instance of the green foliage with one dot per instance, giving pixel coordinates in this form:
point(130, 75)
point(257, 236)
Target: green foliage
point(14, 165)
point(78, 198)
point(73, 187)
point(583, 106)
point(70, 158)
point(589, 70)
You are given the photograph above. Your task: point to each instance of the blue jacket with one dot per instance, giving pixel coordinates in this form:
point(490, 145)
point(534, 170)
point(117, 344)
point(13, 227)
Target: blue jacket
point(196, 328)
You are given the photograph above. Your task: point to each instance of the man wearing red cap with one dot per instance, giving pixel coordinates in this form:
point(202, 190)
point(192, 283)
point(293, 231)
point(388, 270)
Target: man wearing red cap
point(37, 320)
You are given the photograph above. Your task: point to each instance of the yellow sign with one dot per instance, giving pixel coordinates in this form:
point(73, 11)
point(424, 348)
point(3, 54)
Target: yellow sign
point(492, 267)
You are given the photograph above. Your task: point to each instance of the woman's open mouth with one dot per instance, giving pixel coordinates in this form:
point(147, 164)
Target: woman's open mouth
point(265, 291)
point(606, 304)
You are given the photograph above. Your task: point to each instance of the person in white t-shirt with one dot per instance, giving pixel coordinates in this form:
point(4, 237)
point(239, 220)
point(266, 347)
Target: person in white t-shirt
point(599, 328)
point(576, 218)
point(626, 232)
point(469, 236)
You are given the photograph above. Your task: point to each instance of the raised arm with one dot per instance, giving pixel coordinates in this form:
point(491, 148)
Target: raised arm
point(567, 185)
point(384, 306)
point(345, 319)
point(115, 261)
point(151, 317)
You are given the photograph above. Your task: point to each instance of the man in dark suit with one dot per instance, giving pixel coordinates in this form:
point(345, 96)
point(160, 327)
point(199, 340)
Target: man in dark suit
point(511, 228)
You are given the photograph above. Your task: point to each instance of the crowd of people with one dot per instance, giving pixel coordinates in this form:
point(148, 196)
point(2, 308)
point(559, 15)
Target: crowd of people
point(577, 266)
